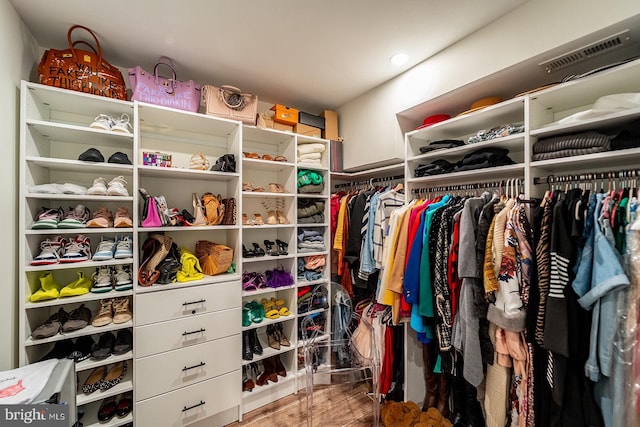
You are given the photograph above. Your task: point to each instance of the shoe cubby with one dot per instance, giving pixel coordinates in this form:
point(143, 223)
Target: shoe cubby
point(118, 380)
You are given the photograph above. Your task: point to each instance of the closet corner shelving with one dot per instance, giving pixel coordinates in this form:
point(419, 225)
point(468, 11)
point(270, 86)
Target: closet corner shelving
point(539, 112)
point(257, 173)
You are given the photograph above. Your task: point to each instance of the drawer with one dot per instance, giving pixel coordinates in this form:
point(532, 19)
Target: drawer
point(179, 368)
point(180, 303)
point(190, 404)
point(181, 333)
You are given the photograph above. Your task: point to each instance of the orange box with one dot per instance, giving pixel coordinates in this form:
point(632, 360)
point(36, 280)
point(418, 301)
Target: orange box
point(330, 125)
point(281, 126)
point(307, 130)
point(285, 115)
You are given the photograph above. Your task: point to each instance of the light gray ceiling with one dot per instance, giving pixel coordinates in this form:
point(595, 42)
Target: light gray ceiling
point(307, 54)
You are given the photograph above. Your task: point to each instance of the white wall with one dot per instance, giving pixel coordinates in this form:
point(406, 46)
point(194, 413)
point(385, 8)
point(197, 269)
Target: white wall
point(535, 28)
point(16, 61)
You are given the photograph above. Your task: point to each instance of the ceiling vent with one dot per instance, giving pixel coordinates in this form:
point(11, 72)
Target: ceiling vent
point(586, 52)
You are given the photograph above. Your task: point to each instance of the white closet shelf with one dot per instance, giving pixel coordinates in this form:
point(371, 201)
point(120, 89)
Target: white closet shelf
point(399, 168)
point(303, 254)
point(269, 352)
point(225, 277)
point(267, 258)
point(169, 121)
point(251, 134)
point(67, 165)
point(267, 165)
point(313, 167)
point(260, 389)
point(609, 120)
point(267, 322)
point(311, 282)
point(267, 290)
point(509, 171)
point(88, 330)
point(77, 102)
point(266, 226)
point(78, 299)
point(80, 134)
point(123, 386)
point(188, 228)
point(261, 194)
point(510, 111)
point(593, 161)
point(312, 196)
point(310, 312)
point(161, 172)
point(59, 231)
point(324, 337)
point(514, 143)
point(90, 418)
point(76, 265)
point(91, 364)
point(79, 197)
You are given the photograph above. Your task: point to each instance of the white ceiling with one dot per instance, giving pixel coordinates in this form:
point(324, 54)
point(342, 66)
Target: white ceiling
point(312, 55)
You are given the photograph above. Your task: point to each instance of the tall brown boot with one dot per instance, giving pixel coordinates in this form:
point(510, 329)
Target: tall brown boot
point(430, 379)
point(278, 366)
point(269, 373)
point(443, 395)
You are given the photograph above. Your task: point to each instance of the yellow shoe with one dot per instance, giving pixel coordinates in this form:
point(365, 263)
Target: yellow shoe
point(49, 288)
point(80, 286)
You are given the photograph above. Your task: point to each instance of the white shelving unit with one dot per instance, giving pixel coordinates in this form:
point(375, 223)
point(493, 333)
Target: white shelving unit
point(539, 112)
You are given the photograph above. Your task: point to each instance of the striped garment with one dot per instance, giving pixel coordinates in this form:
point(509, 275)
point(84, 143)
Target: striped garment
point(543, 260)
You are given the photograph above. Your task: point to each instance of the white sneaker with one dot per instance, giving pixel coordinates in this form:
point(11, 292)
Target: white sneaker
point(122, 278)
point(117, 187)
point(124, 248)
point(99, 187)
point(105, 250)
point(122, 124)
point(103, 122)
point(102, 281)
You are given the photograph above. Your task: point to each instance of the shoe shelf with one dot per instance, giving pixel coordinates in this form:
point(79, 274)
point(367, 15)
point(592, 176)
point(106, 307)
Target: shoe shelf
point(66, 165)
point(59, 231)
point(312, 196)
point(197, 228)
point(266, 226)
point(267, 165)
point(267, 258)
point(180, 173)
point(301, 343)
point(267, 322)
point(90, 418)
point(262, 194)
point(309, 313)
point(303, 283)
point(92, 364)
point(249, 294)
point(126, 384)
point(207, 280)
point(258, 389)
point(269, 352)
point(303, 254)
point(79, 197)
point(76, 265)
point(87, 330)
point(77, 299)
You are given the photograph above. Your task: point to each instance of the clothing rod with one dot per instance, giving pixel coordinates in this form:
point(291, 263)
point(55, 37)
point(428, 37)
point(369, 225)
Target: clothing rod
point(369, 181)
point(619, 174)
point(470, 186)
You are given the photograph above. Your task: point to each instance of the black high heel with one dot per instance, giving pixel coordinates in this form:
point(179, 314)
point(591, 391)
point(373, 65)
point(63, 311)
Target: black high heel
point(282, 247)
point(247, 253)
point(269, 245)
point(257, 250)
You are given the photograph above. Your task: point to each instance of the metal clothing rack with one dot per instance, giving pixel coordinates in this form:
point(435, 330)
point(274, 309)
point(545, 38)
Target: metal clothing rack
point(593, 176)
point(369, 182)
point(516, 185)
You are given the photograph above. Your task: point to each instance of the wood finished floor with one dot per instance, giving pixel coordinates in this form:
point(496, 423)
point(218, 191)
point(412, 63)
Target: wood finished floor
point(334, 406)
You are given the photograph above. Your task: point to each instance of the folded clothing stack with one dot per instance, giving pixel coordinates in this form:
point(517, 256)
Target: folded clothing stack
point(310, 240)
point(310, 211)
point(311, 267)
point(574, 144)
point(496, 132)
point(310, 182)
point(629, 137)
point(441, 144)
point(482, 158)
point(310, 154)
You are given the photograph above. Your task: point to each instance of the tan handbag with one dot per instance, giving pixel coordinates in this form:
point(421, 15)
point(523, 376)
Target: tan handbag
point(214, 258)
point(230, 103)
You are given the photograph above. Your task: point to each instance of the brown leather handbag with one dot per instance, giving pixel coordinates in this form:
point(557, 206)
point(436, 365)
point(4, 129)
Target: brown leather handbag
point(82, 70)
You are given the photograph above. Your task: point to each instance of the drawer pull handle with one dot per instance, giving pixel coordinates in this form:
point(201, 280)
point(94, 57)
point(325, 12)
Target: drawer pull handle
point(185, 409)
point(186, 368)
point(184, 334)
point(202, 301)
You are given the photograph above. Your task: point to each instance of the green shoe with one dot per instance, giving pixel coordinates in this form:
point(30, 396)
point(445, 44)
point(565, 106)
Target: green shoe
point(246, 315)
point(49, 289)
point(257, 312)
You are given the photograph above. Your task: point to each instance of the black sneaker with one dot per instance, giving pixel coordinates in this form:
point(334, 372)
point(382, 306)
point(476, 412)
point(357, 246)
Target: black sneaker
point(124, 342)
point(91, 155)
point(60, 350)
point(119, 157)
point(104, 347)
point(82, 349)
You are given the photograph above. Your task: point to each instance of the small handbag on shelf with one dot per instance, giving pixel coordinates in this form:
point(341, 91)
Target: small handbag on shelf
point(150, 212)
point(167, 92)
point(229, 102)
point(214, 258)
point(82, 70)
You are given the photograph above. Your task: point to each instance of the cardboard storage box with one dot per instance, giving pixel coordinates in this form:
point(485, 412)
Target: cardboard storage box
point(307, 130)
point(285, 115)
point(281, 126)
point(330, 125)
point(311, 120)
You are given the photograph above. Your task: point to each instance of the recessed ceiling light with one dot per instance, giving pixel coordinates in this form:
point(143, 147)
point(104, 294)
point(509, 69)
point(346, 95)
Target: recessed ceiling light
point(399, 58)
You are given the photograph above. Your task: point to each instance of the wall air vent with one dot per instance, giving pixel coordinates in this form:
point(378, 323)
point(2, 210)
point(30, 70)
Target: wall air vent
point(586, 52)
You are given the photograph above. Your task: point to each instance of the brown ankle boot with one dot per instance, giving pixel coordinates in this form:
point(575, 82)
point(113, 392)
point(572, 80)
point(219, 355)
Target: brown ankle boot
point(278, 366)
point(430, 379)
point(269, 373)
